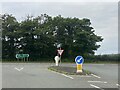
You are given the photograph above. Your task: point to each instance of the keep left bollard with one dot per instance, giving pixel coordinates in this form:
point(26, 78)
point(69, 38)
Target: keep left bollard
point(79, 61)
point(79, 68)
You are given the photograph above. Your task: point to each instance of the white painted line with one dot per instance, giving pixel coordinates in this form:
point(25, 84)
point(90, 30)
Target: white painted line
point(97, 82)
point(117, 84)
point(19, 69)
point(95, 76)
point(67, 76)
point(54, 72)
point(63, 75)
point(84, 76)
point(96, 87)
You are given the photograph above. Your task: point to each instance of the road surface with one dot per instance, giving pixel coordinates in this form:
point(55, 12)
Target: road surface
point(36, 75)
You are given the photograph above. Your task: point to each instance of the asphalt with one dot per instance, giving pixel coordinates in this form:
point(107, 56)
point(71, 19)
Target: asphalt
point(37, 75)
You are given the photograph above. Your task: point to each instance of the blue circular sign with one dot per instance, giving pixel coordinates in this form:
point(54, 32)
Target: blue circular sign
point(79, 60)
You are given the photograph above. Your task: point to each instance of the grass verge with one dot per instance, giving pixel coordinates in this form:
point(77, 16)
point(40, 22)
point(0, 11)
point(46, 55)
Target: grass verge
point(68, 70)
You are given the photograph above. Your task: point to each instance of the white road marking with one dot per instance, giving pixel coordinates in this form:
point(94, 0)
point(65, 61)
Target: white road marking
point(97, 82)
point(95, 76)
point(63, 75)
point(54, 71)
point(117, 84)
point(67, 76)
point(19, 69)
point(96, 87)
point(84, 76)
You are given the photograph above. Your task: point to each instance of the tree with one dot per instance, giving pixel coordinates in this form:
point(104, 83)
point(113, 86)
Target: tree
point(9, 28)
point(76, 36)
point(39, 36)
point(36, 38)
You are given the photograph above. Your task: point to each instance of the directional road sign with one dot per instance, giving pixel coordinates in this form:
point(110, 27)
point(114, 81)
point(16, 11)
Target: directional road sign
point(79, 60)
point(22, 55)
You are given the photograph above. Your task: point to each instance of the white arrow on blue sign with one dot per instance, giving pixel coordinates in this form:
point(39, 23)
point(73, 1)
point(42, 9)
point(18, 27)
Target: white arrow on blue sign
point(79, 60)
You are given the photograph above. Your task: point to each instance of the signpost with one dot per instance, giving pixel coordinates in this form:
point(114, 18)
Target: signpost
point(22, 56)
point(79, 61)
point(60, 52)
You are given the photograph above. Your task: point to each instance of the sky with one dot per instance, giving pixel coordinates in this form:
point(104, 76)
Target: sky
point(103, 16)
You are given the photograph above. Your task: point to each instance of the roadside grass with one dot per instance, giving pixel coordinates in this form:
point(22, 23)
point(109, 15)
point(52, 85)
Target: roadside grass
point(68, 70)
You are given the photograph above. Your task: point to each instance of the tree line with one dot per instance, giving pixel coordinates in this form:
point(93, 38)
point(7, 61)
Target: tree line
point(103, 58)
point(41, 36)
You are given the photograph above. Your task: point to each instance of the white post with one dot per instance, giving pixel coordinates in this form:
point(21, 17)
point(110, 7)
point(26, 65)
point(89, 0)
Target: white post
point(57, 58)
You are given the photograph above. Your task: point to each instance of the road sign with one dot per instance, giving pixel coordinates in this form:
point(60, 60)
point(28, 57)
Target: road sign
point(22, 55)
point(60, 52)
point(79, 60)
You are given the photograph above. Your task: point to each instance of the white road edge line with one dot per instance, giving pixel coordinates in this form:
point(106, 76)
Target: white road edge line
point(63, 75)
point(84, 76)
point(67, 76)
point(96, 87)
point(117, 84)
point(95, 76)
point(54, 72)
point(97, 82)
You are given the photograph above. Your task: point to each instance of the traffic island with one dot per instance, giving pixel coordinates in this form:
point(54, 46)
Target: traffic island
point(68, 70)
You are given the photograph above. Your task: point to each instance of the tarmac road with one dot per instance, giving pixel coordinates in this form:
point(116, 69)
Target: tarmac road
point(36, 75)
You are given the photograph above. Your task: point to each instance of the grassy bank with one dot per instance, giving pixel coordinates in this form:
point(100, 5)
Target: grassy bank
point(68, 70)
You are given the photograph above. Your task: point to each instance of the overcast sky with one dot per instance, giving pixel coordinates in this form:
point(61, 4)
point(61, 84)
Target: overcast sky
point(103, 16)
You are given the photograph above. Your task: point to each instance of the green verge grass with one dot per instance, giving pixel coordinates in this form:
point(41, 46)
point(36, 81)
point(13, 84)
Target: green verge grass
point(68, 70)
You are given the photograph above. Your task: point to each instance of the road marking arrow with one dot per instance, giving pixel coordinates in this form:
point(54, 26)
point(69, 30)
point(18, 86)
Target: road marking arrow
point(19, 69)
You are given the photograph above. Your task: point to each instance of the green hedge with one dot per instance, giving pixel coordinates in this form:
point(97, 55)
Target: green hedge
point(87, 58)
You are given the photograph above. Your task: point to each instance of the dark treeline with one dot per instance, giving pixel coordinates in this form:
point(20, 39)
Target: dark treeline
point(39, 36)
point(115, 58)
point(105, 57)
